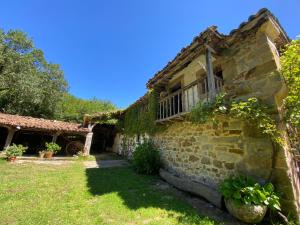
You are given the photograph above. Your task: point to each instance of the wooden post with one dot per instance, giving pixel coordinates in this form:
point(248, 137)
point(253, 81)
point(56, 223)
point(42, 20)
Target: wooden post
point(54, 137)
point(88, 143)
point(10, 135)
point(210, 75)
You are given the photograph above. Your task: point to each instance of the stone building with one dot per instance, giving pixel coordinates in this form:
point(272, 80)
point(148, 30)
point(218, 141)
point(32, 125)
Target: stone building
point(244, 64)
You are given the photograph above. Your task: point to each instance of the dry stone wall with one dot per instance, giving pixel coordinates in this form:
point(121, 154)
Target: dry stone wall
point(209, 153)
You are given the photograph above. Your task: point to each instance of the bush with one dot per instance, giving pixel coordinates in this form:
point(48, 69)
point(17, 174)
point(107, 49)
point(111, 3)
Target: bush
point(52, 147)
point(244, 190)
point(15, 150)
point(146, 158)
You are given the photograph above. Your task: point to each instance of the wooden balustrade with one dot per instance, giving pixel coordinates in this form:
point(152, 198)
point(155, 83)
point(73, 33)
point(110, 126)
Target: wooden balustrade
point(183, 100)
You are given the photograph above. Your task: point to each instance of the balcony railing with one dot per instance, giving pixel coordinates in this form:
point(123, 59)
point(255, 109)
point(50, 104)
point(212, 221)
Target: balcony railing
point(182, 101)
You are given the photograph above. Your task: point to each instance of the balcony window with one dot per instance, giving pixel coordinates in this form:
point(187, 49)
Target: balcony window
point(181, 100)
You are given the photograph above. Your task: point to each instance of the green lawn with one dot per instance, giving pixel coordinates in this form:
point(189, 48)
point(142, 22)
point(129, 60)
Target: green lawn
point(71, 194)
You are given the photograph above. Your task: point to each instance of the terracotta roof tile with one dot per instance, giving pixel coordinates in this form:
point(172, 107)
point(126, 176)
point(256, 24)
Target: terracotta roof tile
point(27, 122)
point(197, 41)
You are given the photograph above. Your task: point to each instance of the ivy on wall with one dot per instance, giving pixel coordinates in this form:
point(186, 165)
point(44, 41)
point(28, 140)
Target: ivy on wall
point(290, 69)
point(251, 111)
point(140, 118)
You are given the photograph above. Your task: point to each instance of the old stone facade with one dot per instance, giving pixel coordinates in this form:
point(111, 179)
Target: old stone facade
point(209, 153)
point(249, 62)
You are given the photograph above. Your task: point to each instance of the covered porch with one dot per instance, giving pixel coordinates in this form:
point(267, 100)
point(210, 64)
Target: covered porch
point(35, 132)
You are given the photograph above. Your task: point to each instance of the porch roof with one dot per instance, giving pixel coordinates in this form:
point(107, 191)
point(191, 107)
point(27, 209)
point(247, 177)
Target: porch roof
point(27, 122)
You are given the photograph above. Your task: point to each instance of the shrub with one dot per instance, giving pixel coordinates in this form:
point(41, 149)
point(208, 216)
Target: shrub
point(15, 150)
point(244, 190)
point(52, 147)
point(146, 158)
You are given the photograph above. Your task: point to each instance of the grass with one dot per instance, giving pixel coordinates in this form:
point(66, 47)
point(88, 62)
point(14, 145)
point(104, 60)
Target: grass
point(70, 194)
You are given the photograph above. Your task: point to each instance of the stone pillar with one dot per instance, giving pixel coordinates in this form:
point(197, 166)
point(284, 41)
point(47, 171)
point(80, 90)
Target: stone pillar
point(210, 75)
point(9, 137)
point(88, 143)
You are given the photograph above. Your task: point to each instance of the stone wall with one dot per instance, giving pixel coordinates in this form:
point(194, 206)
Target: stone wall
point(209, 153)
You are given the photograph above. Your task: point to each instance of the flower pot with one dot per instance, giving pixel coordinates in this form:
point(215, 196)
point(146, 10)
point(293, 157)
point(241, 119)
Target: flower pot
point(41, 154)
point(11, 158)
point(246, 213)
point(48, 155)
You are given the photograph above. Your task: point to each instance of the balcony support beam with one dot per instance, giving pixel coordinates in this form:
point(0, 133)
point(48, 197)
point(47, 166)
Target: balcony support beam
point(210, 75)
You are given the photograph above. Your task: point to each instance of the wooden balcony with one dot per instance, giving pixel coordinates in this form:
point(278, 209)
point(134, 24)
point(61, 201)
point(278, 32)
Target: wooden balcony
point(175, 105)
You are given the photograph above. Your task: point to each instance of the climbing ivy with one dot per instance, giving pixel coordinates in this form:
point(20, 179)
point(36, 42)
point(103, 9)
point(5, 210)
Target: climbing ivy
point(140, 118)
point(290, 62)
point(251, 111)
point(257, 114)
point(204, 111)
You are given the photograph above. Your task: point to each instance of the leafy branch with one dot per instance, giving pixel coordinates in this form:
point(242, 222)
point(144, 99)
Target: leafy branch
point(251, 111)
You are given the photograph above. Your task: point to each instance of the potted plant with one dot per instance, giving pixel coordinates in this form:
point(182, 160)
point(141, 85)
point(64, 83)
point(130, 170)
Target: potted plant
point(42, 153)
point(51, 148)
point(248, 200)
point(13, 151)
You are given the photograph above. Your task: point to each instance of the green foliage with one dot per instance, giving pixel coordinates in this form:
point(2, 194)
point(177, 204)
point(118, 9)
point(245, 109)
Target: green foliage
point(255, 113)
point(146, 158)
point(252, 111)
point(80, 156)
point(29, 85)
point(52, 147)
point(204, 111)
point(244, 190)
point(15, 150)
point(71, 108)
point(140, 118)
point(290, 62)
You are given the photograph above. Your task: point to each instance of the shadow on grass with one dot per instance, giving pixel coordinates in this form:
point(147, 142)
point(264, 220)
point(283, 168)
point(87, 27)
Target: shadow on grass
point(138, 191)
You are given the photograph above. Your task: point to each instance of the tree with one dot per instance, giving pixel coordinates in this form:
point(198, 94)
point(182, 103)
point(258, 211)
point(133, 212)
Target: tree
point(290, 62)
point(28, 84)
point(73, 109)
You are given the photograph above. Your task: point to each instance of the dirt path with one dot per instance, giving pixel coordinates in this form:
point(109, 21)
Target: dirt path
point(97, 163)
point(106, 163)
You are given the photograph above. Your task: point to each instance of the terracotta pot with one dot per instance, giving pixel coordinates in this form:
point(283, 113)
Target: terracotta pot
point(48, 155)
point(11, 159)
point(246, 213)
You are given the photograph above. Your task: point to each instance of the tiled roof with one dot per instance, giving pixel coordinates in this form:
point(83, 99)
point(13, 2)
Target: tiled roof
point(206, 37)
point(27, 122)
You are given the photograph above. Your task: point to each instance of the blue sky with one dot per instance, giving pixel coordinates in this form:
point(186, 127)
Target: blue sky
point(109, 49)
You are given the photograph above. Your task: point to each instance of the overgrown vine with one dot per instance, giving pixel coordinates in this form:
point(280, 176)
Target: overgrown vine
point(140, 118)
point(290, 69)
point(251, 111)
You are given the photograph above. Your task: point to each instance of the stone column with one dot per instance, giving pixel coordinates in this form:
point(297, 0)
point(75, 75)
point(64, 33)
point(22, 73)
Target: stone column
point(210, 75)
point(10, 135)
point(88, 143)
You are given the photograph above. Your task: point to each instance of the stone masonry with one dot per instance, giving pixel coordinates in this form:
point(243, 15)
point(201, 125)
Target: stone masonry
point(208, 153)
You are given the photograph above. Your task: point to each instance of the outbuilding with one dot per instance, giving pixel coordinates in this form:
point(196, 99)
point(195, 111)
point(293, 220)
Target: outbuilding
point(35, 132)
